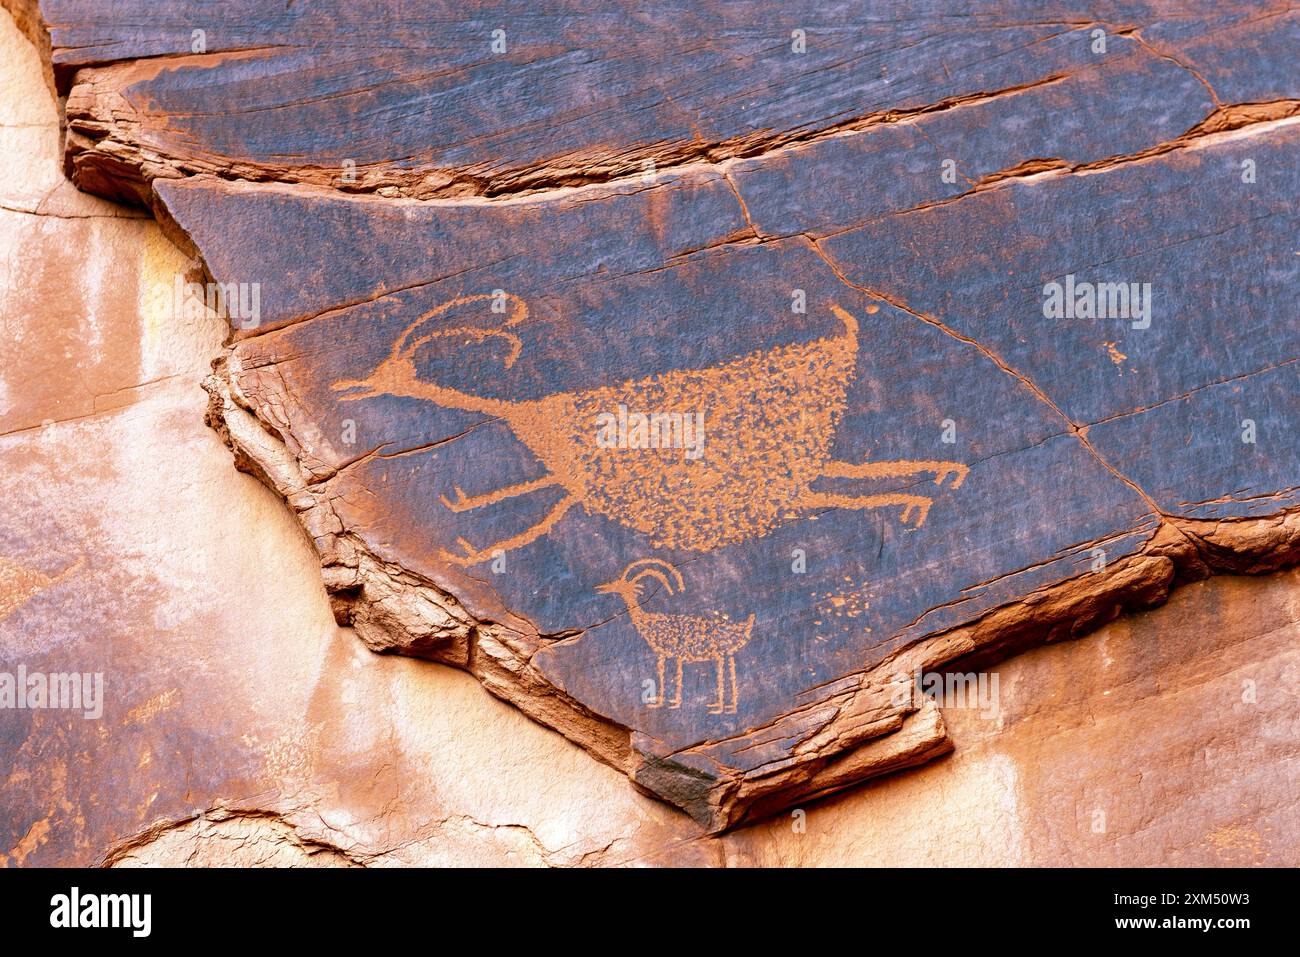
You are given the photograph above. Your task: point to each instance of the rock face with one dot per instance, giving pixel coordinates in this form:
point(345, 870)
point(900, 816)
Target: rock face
point(696, 403)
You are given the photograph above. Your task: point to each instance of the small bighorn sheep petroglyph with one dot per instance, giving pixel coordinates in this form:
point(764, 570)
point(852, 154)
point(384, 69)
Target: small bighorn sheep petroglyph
point(680, 637)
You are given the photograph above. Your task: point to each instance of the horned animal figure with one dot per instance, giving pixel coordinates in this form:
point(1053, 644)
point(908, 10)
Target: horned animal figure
point(680, 637)
point(772, 417)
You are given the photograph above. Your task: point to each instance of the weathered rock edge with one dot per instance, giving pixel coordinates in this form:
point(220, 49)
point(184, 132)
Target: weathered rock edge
point(864, 726)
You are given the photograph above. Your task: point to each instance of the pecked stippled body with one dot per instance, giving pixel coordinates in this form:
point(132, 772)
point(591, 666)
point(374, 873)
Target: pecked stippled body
point(771, 418)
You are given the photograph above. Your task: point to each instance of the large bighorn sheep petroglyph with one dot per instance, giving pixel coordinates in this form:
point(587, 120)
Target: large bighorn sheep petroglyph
point(772, 417)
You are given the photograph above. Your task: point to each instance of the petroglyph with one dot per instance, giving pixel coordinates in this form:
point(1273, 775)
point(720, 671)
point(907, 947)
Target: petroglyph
point(772, 420)
point(683, 638)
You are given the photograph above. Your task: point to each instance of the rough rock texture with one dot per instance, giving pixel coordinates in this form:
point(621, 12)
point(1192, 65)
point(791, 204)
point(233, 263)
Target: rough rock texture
point(1069, 446)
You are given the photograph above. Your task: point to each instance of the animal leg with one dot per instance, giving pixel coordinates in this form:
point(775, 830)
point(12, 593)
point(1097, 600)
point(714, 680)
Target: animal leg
point(473, 556)
point(731, 666)
point(677, 692)
point(715, 707)
point(659, 688)
point(871, 470)
point(464, 503)
point(918, 503)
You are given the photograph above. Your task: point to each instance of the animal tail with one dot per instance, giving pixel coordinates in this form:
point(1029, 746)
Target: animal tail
point(850, 323)
point(749, 626)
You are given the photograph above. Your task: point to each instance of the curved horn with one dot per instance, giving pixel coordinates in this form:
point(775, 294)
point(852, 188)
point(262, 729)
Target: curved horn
point(397, 374)
point(516, 346)
point(402, 344)
point(652, 573)
point(654, 563)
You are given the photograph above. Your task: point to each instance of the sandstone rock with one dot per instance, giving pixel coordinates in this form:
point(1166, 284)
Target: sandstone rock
point(445, 455)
